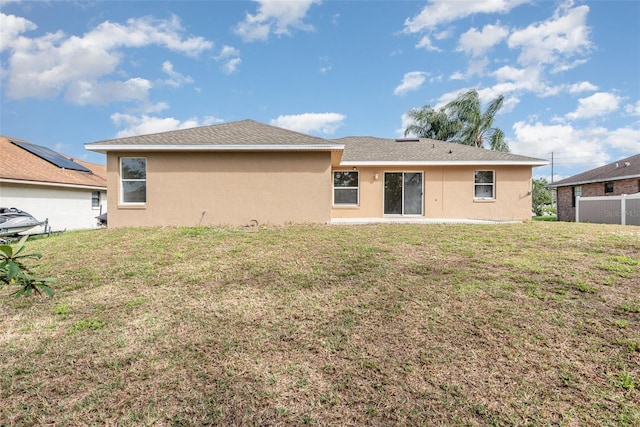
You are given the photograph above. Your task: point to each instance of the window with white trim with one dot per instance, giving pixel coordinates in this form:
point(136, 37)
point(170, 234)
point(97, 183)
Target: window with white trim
point(484, 185)
point(133, 180)
point(577, 192)
point(346, 188)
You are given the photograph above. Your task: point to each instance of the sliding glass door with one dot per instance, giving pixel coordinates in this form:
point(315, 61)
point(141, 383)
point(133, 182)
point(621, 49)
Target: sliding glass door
point(403, 193)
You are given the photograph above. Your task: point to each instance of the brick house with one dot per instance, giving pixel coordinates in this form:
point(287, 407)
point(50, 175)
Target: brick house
point(614, 179)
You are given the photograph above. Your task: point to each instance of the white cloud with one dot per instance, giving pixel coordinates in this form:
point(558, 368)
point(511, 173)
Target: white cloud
point(145, 124)
point(425, 43)
point(633, 109)
point(555, 40)
point(230, 56)
point(587, 147)
point(582, 87)
point(324, 123)
point(55, 63)
point(411, 81)
point(540, 140)
point(10, 27)
point(438, 12)
point(231, 66)
point(84, 92)
point(476, 43)
point(175, 78)
point(275, 16)
point(511, 79)
point(598, 104)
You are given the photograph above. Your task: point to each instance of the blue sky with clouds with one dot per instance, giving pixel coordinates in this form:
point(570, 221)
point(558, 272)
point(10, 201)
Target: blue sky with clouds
point(78, 72)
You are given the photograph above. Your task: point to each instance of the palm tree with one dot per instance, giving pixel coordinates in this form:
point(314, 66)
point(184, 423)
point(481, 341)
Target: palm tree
point(429, 123)
point(476, 125)
point(461, 121)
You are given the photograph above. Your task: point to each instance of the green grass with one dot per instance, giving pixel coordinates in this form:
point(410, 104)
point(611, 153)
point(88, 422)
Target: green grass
point(519, 324)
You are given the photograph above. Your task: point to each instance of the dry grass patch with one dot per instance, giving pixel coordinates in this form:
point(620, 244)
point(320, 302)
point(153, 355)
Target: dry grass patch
point(522, 324)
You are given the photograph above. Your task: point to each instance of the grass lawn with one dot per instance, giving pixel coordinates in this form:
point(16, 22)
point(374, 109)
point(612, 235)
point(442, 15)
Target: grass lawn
point(519, 324)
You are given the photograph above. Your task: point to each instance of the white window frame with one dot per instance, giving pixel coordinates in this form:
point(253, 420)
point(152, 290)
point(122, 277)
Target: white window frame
point(492, 184)
point(576, 191)
point(357, 188)
point(122, 180)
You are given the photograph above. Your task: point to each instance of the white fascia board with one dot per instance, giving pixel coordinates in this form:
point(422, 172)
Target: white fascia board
point(53, 184)
point(446, 163)
point(238, 147)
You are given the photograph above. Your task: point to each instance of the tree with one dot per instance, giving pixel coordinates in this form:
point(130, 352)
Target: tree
point(461, 121)
point(429, 123)
point(540, 196)
point(476, 125)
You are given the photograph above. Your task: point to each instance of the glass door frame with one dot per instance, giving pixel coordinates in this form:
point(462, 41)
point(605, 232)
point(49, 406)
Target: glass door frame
point(384, 198)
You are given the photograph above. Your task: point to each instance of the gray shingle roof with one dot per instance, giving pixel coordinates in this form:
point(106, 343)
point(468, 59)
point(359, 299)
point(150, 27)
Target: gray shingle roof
point(241, 133)
point(621, 169)
point(249, 134)
point(369, 150)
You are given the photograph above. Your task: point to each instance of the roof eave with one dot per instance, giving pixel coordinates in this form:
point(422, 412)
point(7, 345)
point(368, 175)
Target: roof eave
point(54, 184)
point(230, 147)
point(445, 163)
point(592, 181)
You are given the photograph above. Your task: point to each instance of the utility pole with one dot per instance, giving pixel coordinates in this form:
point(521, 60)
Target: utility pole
point(552, 167)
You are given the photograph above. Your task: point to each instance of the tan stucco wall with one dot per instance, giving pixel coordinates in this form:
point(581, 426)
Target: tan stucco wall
point(448, 193)
point(226, 188)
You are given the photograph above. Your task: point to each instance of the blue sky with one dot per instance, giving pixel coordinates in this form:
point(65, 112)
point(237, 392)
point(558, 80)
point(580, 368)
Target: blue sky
point(83, 71)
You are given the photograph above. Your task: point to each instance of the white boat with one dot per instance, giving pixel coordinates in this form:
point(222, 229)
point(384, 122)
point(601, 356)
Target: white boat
point(14, 221)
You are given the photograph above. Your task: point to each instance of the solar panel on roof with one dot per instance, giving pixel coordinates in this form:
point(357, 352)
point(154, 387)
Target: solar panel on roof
point(50, 156)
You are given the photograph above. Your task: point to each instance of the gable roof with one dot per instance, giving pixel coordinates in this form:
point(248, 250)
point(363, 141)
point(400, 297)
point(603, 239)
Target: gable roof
point(621, 169)
point(363, 151)
point(245, 135)
point(19, 165)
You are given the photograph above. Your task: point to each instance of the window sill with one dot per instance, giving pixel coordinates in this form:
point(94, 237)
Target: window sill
point(346, 206)
point(138, 206)
point(484, 200)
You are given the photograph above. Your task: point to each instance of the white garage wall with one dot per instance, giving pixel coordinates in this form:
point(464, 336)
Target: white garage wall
point(66, 208)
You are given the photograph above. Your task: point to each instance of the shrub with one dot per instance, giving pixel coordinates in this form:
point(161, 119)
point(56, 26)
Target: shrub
point(14, 271)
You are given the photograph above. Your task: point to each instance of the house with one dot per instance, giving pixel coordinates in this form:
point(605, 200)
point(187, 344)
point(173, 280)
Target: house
point(614, 179)
point(68, 192)
point(248, 172)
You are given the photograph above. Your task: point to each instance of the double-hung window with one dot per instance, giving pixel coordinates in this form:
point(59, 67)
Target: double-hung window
point(577, 192)
point(345, 188)
point(608, 187)
point(133, 180)
point(484, 186)
point(95, 199)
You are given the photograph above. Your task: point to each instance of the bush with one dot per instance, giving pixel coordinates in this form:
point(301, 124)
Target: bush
point(14, 271)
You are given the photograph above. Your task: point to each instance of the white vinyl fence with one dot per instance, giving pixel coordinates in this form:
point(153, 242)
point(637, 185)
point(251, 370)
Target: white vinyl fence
point(623, 209)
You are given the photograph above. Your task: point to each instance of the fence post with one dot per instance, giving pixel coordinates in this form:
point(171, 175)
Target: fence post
point(623, 209)
point(577, 208)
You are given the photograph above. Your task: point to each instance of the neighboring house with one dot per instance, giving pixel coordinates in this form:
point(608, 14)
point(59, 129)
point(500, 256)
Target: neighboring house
point(68, 192)
point(614, 179)
point(247, 172)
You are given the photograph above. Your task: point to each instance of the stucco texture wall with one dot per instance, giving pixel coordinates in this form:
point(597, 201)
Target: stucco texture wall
point(226, 188)
point(448, 193)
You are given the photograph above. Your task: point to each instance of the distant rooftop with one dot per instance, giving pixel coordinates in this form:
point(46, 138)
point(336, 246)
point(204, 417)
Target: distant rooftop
point(21, 165)
point(621, 169)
